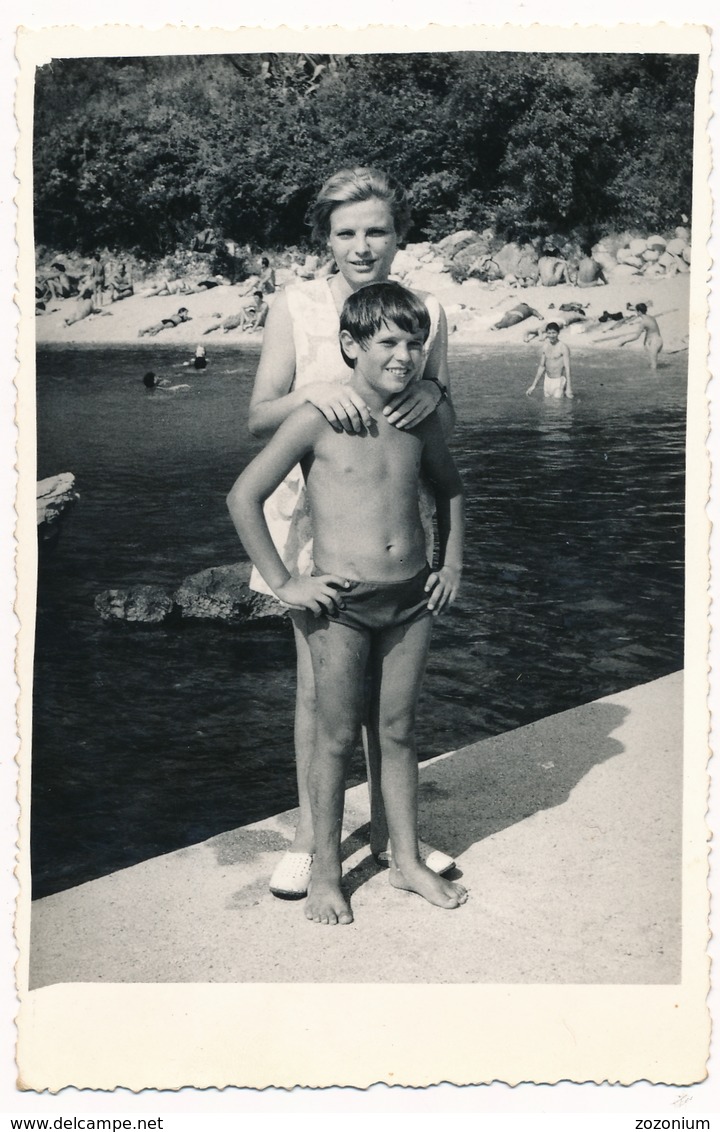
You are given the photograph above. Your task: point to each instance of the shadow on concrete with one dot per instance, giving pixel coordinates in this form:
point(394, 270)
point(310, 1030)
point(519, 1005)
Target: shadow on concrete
point(490, 786)
point(487, 787)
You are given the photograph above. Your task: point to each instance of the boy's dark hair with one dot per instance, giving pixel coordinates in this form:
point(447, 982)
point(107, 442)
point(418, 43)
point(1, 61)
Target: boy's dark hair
point(366, 310)
point(641, 308)
point(553, 326)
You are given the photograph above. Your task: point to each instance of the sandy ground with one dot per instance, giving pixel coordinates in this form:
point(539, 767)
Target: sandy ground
point(472, 308)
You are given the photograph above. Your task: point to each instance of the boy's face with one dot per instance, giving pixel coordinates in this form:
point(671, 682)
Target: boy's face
point(390, 360)
point(552, 336)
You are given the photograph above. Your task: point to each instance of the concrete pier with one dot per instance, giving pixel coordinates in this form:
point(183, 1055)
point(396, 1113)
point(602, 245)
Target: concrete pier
point(567, 833)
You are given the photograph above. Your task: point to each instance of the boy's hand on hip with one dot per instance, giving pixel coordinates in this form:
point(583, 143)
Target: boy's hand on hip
point(443, 586)
point(318, 592)
point(417, 401)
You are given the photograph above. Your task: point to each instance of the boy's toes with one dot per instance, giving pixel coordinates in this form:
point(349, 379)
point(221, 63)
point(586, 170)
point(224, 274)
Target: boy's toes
point(462, 894)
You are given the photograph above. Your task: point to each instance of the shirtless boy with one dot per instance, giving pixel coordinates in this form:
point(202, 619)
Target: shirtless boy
point(371, 585)
point(645, 326)
point(554, 365)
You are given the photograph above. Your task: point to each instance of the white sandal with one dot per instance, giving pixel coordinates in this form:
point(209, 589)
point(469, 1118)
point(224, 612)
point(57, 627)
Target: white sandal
point(437, 861)
point(291, 875)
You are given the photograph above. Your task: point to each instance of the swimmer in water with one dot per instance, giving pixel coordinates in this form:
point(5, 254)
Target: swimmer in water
point(554, 366)
point(162, 384)
point(200, 360)
point(645, 327)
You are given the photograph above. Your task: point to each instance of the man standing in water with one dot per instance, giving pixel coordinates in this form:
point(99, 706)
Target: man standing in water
point(554, 365)
point(645, 326)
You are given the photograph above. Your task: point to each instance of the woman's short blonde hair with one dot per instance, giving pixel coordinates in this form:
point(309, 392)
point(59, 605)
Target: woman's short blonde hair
point(349, 186)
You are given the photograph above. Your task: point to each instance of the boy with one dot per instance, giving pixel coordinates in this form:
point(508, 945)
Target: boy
point(371, 585)
point(554, 365)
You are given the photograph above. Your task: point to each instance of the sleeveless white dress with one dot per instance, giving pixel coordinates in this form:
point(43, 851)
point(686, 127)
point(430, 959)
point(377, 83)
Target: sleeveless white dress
point(316, 327)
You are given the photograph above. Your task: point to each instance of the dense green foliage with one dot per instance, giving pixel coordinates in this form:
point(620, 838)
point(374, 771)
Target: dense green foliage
point(142, 152)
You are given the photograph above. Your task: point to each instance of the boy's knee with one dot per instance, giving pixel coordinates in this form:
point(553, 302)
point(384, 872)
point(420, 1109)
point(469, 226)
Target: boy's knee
point(398, 727)
point(336, 742)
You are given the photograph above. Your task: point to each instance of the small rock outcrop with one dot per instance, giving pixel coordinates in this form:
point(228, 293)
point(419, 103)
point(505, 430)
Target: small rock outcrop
point(54, 496)
point(221, 593)
point(148, 605)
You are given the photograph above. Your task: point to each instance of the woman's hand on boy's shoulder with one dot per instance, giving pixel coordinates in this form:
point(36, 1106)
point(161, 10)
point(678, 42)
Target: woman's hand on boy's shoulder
point(443, 586)
point(342, 407)
point(417, 402)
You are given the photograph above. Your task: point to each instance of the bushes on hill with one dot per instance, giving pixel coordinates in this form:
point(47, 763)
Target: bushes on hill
point(144, 152)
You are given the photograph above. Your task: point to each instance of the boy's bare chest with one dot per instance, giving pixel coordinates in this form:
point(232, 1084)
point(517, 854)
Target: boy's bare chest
point(382, 454)
point(553, 353)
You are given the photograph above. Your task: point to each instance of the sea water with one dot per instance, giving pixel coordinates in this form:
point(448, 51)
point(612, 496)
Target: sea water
point(147, 739)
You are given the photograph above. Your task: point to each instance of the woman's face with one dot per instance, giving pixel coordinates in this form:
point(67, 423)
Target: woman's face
point(363, 241)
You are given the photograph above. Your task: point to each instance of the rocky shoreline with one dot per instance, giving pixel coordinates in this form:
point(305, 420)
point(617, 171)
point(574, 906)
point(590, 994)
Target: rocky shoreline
point(474, 279)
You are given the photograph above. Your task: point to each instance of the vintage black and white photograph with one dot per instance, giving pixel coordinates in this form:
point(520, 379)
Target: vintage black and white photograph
point(361, 387)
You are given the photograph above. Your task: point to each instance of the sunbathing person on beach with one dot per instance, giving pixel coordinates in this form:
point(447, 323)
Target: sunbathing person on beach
point(645, 327)
point(83, 308)
point(552, 268)
point(255, 314)
point(266, 280)
point(121, 284)
point(589, 273)
point(166, 323)
point(371, 588)
point(559, 320)
point(94, 279)
point(59, 283)
point(554, 365)
point(250, 317)
point(164, 287)
point(516, 314)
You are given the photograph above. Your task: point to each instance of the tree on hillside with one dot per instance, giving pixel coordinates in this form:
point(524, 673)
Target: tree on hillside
point(142, 152)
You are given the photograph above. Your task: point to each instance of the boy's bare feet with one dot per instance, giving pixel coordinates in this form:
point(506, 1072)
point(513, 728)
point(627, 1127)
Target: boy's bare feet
point(422, 880)
point(326, 904)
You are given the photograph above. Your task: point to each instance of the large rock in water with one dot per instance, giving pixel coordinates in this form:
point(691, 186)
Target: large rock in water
point(222, 594)
point(54, 496)
point(149, 605)
point(218, 594)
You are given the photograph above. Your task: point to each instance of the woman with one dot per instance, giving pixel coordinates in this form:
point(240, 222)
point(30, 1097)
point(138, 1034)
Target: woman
point(360, 214)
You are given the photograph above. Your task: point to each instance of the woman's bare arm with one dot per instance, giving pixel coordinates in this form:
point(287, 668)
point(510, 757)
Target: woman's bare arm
point(273, 398)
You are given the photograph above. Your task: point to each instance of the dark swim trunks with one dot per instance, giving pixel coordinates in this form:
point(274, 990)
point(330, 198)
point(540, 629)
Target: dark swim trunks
point(382, 605)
